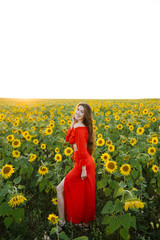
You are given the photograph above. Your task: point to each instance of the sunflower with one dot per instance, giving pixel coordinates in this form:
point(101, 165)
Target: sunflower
point(133, 141)
point(95, 128)
point(108, 119)
point(150, 114)
point(105, 157)
point(116, 118)
point(69, 122)
point(140, 130)
point(131, 128)
point(154, 140)
point(110, 166)
point(155, 168)
point(145, 111)
point(154, 119)
point(68, 151)
point(125, 169)
point(7, 171)
point(53, 218)
point(16, 154)
point(109, 142)
point(106, 127)
point(16, 123)
point(111, 148)
point(32, 157)
point(10, 138)
point(124, 139)
point(58, 157)
point(28, 137)
point(25, 134)
point(100, 142)
point(54, 201)
point(51, 125)
point(17, 200)
point(133, 203)
point(43, 170)
point(35, 141)
point(151, 150)
point(107, 114)
point(16, 143)
point(62, 122)
point(149, 162)
point(100, 135)
point(49, 131)
point(43, 146)
point(57, 150)
point(119, 126)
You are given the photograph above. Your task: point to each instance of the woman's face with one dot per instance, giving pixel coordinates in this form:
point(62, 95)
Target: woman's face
point(79, 114)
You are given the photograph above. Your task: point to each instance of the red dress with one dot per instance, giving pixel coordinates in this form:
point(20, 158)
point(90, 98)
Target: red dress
point(79, 195)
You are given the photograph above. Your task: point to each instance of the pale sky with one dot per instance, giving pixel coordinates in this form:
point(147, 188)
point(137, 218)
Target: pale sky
point(80, 49)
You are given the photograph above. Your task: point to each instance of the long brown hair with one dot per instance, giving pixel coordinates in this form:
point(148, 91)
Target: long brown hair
point(88, 122)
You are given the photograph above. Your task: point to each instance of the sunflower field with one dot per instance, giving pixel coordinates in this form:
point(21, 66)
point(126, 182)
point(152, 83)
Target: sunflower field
point(34, 158)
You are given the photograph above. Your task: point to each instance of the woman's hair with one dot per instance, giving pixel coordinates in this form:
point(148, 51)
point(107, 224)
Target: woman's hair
point(88, 122)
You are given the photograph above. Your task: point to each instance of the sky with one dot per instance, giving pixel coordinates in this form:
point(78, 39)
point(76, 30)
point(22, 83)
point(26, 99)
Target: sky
point(80, 49)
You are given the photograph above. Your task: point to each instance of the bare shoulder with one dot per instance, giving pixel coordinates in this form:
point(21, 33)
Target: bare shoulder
point(79, 125)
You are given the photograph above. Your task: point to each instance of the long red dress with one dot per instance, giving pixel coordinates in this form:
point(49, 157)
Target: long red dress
point(79, 195)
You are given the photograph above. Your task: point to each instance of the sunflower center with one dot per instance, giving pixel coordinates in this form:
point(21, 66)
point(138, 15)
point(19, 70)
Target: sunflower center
point(15, 142)
point(111, 165)
point(125, 168)
point(6, 170)
point(43, 169)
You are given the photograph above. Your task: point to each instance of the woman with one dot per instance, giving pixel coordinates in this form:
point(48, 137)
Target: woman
point(76, 192)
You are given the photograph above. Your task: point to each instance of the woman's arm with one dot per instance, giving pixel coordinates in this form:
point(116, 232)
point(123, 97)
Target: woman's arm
point(84, 172)
point(82, 149)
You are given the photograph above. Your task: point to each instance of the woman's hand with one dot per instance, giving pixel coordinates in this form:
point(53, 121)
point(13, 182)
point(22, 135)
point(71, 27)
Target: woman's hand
point(74, 120)
point(83, 173)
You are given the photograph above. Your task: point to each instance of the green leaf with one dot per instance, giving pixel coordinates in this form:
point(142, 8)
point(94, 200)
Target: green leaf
point(63, 236)
point(108, 208)
point(120, 192)
point(122, 184)
point(105, 219)
point(107, 191)
point(124, 233)
point(4, 190)
point(118, 207)
point(18, 214)
point(1, 198)
point(8, 221)
point(53, 230)
point(81, 238)
point(133, 222)
point(99, 184)
point(4, 209)
point(114, 224)
point(125, 221)
point(134, 173)
point(42, 185)
point(17, 180)
point(24, 169)
point(30, 170)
